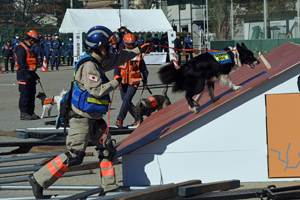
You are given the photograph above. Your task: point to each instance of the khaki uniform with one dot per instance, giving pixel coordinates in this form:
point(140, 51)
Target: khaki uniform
point(85, 127)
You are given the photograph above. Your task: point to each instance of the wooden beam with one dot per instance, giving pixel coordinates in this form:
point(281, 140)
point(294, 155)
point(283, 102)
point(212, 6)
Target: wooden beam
point(8, 133)
point(159, 193)
point(191, 190)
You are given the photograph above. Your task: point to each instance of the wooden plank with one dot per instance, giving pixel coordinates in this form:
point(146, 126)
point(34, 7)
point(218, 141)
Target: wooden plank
point(47, 149)
point(267, 64)
point(190, 190)
point(166, 121)
point(8, 133)
point(159, 193)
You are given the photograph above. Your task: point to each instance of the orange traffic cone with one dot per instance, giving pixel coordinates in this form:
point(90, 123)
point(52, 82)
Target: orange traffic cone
point(45, 67)
point(175, 61)
point(259, 54)
point(1, 70)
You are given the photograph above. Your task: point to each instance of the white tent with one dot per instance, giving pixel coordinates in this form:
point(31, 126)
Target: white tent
point(77, 21)
point(137, 20)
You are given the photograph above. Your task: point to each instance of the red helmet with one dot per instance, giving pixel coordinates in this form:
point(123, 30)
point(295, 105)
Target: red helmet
point(33, 34)
point(129, 40)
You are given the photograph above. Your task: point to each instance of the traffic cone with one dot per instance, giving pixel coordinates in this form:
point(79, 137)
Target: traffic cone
point(175, 61)
point(1, 70)
point(45, 67)
point(259, 54)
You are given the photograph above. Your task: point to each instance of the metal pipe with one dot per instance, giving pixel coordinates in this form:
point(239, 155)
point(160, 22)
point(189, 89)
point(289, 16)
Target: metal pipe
point(25, 178)
point(14, 159)
point(48, 138)
point(52, 187)
point(37, 143)
point(84, 194)
point(26, 169)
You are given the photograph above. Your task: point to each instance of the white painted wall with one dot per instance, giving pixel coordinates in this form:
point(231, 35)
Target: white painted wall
point(229, 142)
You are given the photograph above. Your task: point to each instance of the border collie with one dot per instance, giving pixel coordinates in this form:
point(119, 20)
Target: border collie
point(204, 70)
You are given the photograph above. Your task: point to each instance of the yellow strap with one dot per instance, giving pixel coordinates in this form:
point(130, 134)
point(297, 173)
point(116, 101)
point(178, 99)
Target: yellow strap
point(96, 101)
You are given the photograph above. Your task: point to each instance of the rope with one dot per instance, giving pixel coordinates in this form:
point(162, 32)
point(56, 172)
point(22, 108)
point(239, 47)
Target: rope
point(108, 112)
point(191, 49)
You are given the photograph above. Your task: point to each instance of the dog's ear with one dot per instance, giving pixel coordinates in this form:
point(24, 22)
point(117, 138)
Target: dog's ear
point(238, 47)
point(244, 46)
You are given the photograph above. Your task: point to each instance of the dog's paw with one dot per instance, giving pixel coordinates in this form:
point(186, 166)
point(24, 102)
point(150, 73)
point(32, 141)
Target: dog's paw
point(193, 109)
point(196, 104)
point(236, 87)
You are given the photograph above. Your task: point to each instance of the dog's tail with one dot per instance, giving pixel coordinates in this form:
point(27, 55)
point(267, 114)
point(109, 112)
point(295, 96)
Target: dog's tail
point(165, 91)
point(168, 74)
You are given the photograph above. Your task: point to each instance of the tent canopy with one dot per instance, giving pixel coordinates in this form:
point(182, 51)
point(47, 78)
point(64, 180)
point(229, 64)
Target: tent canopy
point(140, 20)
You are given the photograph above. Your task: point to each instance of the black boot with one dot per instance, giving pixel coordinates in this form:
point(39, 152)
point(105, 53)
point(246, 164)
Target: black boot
point(71, 63)
point(68, 63)
point(52, 67)
point(25, 116)
point(36, 188)
point(57, 67)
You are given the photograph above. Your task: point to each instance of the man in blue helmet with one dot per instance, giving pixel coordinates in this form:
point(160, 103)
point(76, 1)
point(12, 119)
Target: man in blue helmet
point(90, 99)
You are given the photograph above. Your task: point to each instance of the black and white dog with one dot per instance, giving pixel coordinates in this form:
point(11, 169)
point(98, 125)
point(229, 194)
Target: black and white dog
point(204, 70)
point(145, 107)
point(48, 102)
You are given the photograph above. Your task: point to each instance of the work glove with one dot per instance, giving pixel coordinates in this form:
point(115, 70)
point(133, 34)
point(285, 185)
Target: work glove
point(146, 47)
point(114, 39)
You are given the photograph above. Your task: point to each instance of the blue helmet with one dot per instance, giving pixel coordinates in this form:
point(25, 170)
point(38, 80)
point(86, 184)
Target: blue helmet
point(97, 36)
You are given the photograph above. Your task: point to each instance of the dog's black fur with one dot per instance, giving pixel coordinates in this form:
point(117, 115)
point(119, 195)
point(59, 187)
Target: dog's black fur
point(193, 76)
point(142, 107)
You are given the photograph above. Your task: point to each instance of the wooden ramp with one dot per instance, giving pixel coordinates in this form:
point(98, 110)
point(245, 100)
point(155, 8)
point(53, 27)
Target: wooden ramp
point(167, 120)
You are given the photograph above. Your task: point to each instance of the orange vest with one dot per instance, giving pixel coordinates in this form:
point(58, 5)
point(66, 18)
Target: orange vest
point(152, 102)
point(49, 101)
point(130, 71)
point(31, 60)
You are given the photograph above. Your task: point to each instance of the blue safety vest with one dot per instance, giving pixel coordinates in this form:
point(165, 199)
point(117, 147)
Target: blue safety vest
point(221, 57)
point(85, 101)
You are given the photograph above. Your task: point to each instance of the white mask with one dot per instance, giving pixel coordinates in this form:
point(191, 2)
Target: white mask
point(70, 39)
point(56, 37)
point(17, 37)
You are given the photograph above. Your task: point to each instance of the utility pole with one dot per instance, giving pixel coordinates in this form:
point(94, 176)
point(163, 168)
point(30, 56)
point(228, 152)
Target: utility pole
point(266, 17)
point(71, 4)
point(231, 19)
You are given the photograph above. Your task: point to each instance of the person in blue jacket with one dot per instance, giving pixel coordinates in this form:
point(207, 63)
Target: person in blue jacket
point(55, 54)
point(188, 45)
point(140, 39)
point(69, 51)
point(61, 52)
point(47, 48)
point(7, 49)
point(177, 46)
point(15, 42)
point(37, 50)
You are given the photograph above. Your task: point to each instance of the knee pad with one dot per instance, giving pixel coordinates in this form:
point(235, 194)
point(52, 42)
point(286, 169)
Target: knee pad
point(108, 151)
point(75, 160)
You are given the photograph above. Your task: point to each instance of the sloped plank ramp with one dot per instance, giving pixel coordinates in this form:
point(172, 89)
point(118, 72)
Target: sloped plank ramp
point(169, 119)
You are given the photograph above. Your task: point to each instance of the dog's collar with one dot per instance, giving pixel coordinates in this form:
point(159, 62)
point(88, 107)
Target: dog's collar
point(236, 56)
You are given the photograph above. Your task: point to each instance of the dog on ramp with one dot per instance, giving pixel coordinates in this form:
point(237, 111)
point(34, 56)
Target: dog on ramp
point(146, 106)
point(48, 102)
point(204, 70)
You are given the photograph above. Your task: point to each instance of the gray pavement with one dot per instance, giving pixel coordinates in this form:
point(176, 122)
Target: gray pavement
point(53, 83)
